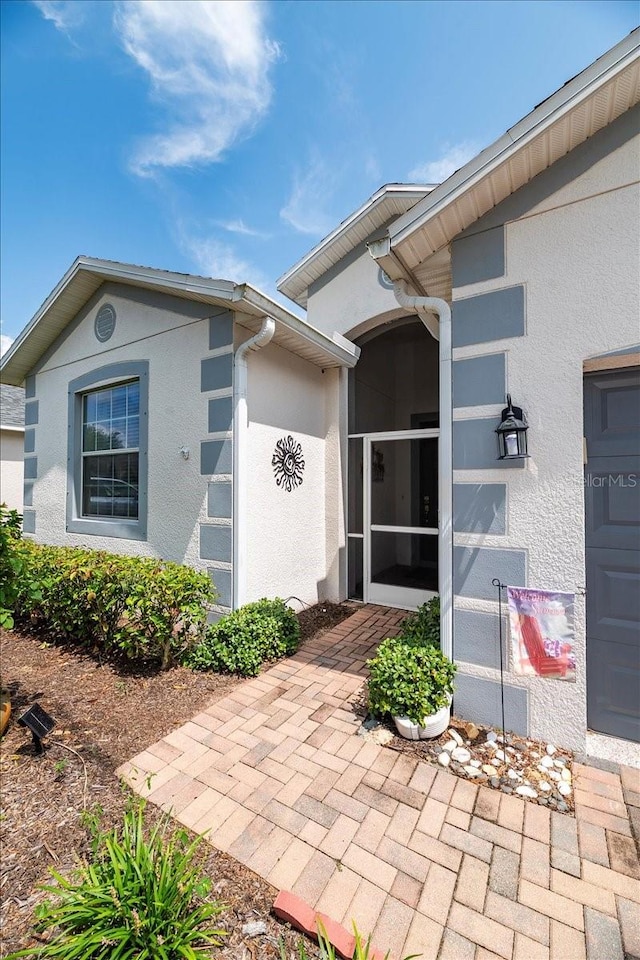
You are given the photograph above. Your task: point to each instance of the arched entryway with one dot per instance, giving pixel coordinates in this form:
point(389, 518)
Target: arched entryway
point(393, 466)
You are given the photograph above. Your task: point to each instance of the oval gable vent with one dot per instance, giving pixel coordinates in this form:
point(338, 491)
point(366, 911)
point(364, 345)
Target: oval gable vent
point(105, 322)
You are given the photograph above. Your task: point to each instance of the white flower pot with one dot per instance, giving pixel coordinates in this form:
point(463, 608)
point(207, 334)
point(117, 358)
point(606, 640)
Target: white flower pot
point(432, 726)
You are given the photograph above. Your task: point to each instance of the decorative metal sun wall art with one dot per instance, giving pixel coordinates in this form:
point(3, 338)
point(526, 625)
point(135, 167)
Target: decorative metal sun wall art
point(288, 463)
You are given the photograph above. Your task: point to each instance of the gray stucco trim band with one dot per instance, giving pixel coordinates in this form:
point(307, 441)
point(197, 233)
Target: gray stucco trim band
point(219, 500)
point(30, 387)
point(216, 457)
point(479, 699)
point(27, 495)
point(490, 316)
point(29, 440)
point(31, 413)
point(478, 257)
point(30, 468)
point(220, 414)
point(479, 508)
point(222, 581)
point(29, 521)
point(221, 329)
point(477, 638)
point(479, 381)
point(216, 373)
point(215, 542)
point(475, 567)
point(475, 446)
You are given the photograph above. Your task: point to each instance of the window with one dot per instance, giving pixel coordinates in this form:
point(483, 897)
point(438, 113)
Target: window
point(111, 422)
point(107, 457)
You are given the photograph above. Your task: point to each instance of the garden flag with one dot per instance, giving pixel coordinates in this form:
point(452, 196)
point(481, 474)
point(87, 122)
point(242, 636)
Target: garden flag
point(542, 633)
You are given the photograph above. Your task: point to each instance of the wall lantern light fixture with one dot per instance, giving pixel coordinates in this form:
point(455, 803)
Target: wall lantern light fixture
point(512, 433)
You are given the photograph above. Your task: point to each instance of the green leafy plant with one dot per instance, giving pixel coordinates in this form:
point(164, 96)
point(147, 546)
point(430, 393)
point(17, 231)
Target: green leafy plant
point(136, 898)
point(243, 640)
point(14, 573)
point(363, 949)
point(409, 680)
point(141, 607)
point(423, 626)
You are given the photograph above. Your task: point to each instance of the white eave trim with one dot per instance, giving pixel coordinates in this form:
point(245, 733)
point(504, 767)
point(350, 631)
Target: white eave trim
point(9, 428)
point(20, 359)
point(294, 281)
point(551, 110)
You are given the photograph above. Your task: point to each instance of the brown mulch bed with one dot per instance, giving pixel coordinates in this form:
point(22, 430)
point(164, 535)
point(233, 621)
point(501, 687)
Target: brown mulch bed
point(107, 712)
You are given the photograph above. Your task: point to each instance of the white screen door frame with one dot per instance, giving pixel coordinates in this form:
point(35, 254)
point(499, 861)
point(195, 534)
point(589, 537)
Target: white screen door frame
point(394, 595)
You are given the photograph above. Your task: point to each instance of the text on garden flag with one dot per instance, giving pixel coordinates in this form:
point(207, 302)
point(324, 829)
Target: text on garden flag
point(542, 633)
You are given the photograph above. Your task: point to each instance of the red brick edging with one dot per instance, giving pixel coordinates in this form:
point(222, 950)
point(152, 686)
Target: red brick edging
point(296, 911)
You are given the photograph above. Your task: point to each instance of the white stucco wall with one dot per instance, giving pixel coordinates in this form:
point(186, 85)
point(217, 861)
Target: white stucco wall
point(174, 343)
point(290, 546)
point(11, 467)
point(577, 255)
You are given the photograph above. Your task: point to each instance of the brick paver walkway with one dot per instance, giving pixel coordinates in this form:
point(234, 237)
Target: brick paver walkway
point(423, 860)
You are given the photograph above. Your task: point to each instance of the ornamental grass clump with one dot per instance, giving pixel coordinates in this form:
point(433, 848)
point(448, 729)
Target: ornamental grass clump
point(409, 680)
point(136, 898)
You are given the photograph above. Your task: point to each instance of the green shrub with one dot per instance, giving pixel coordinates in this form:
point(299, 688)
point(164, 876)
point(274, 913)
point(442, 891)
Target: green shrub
point(135, 898)
point(14, 575)
point(423, 626)
point(142, 607)
point(363, 949)
point(243, 640)
point(408, 680)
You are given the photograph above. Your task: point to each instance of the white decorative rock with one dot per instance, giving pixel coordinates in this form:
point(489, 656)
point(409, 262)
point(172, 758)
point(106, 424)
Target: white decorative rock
point(564, 788)
point(473, 771)
point(492, 736)
point(501, 755)
point(544, 786)
point(566, 775)
point(450, 745)
point(513, 775)
point(526, 792)
point(546, 762)
point(455, 736)
point(461, 755)
point(475, 763)
point(444, 759)
point(489, 770)
point(559, 763)
point(554, 775)
point(551, 749)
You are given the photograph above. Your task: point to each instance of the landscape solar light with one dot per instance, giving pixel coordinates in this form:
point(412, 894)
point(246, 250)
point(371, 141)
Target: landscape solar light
point(39, 723)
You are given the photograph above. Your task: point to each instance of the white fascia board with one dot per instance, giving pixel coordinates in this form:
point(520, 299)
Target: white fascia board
point(518, 136)
point(7, 428)
point(408, 190)
point(340, 349)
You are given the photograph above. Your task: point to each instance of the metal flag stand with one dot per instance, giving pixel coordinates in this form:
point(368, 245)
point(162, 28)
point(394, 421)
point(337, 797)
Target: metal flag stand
point(500, 587)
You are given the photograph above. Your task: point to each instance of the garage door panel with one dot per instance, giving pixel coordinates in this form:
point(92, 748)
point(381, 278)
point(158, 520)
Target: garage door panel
point(614, 691)
point(612, 538)
point(613, 503)
point(612, 414)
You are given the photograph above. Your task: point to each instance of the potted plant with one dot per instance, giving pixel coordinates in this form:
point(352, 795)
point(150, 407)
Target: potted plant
point(413, 683)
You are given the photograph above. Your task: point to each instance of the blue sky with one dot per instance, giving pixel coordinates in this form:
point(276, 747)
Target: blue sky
point(226, 138)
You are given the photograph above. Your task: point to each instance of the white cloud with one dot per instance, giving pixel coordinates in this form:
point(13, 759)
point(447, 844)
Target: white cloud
point(64, 14)
point(452, 158)
point(306, 208)
point(5, 343)
point(239, 226)
point(214, 258)
point(208, 62)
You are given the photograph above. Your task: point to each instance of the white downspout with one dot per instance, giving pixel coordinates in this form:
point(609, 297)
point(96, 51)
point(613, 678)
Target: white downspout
point(426, 307)
point(240, 471)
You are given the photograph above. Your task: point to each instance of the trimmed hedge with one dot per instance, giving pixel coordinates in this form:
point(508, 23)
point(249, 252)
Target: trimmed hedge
point(142, 607)
point(243, 640)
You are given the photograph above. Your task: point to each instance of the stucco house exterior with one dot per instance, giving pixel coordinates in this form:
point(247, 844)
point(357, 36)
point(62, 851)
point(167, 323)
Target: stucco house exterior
point(353, 453)
point(11, 445)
